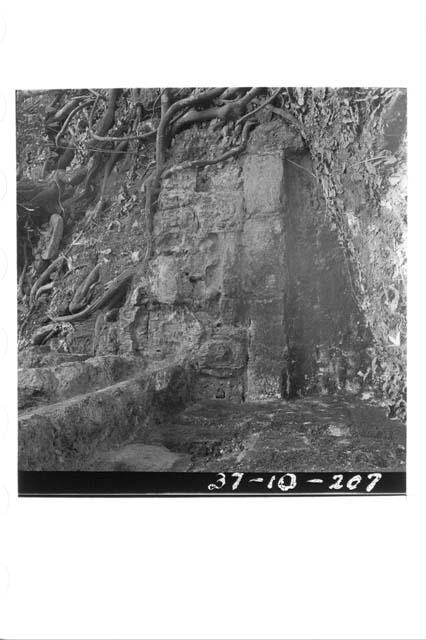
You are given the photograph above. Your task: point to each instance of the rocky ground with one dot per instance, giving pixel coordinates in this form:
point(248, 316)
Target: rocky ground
point(101, 413)
point(310, 434)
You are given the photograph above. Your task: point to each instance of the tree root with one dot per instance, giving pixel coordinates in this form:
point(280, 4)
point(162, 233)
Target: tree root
point(152, 189)
point(286, 115)
point(69, 118)
point(121, 148)
point(44, 195)
point(64, 111)
point(165, 102)
point(117, 284)
point(43, 334)
point(95, 161)
point(230, 93)
point(67, 156)
point(22, 276)
point(79, 299)
point(229, 111)
point(226, 113)
point(108, 118)
point(152, 185)
point(224, 104)
point(91, 214)
point(176, 107)
point(204, 163)
point(56, 264)
point(43, 289)
point(142, 136)
point(261, 106)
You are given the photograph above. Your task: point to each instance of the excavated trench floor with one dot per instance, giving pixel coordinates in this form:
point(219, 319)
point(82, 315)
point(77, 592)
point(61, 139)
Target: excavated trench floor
point(324, 433)
point(93, 414)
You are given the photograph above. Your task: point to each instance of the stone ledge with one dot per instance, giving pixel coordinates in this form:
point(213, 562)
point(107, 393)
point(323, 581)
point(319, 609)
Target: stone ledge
point(65, 435)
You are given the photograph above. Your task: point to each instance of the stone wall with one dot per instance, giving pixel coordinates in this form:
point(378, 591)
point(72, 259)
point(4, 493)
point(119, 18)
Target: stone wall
point(326, 335)
point(248, 283)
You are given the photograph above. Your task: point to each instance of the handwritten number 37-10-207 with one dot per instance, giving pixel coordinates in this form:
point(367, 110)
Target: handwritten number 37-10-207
point(288, 482)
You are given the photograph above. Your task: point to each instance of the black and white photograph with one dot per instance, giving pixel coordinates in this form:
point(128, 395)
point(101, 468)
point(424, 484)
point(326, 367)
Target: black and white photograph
point(212, 280)
point(212, 342)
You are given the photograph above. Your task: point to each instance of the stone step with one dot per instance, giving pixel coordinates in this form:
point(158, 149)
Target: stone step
point(66, 435)
point(314, 433)
point(42, 356)
point(41, 385)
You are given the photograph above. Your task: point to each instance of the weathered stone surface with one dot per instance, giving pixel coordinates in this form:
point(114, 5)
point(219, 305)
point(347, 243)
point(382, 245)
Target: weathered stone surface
point(308, 434)
point(67, 434)
point(219, 245)
point(247, 281)
point(164, 279)
point(172, 334)
point(224, 355)
point(265, 274)
point(140, 294)
point(235, 247)
point(213, 386)
point(82, 339)
point(326, 337)
point(248, 292)
point(275, 136)
point(64, 435)
point(42, 356)
point(263, 183)
point(51, 384)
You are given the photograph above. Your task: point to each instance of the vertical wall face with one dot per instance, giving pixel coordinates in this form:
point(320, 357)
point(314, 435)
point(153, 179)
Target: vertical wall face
point(248, 282)
point(326, 336)
point(192, 310)
point(264, 277)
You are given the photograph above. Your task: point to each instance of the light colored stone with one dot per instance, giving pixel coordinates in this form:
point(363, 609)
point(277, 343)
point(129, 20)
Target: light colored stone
point(163, 280)
point(263, 176)
point(141, 457)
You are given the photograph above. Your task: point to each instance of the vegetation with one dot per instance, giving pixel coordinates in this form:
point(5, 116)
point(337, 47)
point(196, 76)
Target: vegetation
point(69, 141)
